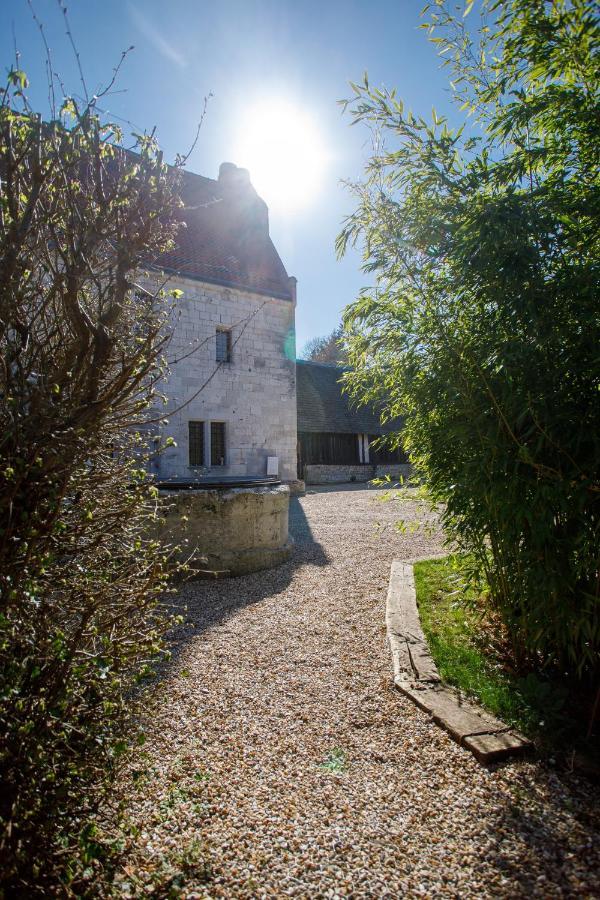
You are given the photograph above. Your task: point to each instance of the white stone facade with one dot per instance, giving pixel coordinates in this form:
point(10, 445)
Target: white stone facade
point(254, 394)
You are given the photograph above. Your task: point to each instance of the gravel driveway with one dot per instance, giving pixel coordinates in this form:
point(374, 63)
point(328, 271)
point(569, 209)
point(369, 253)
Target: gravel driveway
point(280, 761)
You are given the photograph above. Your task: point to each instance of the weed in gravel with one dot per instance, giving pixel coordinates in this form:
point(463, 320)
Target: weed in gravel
point(335, 761)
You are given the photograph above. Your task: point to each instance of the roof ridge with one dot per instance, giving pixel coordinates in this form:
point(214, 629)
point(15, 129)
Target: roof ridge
point(204, 178)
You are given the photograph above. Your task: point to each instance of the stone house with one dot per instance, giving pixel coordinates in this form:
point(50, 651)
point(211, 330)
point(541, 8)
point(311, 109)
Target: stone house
point(337, 440)
point(232, 385)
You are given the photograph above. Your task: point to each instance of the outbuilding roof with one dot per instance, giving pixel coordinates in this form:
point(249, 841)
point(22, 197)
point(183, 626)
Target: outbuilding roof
point(224, 238)
point(324, 407)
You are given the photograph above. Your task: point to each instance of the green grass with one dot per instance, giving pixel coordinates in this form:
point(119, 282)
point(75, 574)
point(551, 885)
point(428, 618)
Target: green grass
point(466, 654)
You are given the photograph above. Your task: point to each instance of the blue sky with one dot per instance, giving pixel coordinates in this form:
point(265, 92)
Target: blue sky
point(244, 52)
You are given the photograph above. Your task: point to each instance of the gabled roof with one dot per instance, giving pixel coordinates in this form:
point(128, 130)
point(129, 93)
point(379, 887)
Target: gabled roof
point(324, 407)
point(224, 238)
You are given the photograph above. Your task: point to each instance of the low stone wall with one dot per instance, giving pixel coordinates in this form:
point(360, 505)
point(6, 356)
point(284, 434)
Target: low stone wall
point(337, 474)
point(341, 474)
point(228, 530)
point(396, 472)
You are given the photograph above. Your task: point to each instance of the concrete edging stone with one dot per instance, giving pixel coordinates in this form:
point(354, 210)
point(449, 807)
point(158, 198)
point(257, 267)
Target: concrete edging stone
point(417, 677)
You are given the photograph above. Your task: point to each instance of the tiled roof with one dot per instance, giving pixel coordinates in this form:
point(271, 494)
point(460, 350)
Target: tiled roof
point(324, 407)
point(225, 236)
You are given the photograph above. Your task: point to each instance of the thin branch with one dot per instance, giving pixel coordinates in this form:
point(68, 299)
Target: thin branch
point(63, 9)
point(51, 94)
point(181, 159)
point(116, 70)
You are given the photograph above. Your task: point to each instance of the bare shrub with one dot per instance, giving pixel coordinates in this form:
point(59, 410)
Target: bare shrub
point(80, 354)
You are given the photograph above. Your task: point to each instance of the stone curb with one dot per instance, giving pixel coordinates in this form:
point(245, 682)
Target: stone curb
point(417, 677)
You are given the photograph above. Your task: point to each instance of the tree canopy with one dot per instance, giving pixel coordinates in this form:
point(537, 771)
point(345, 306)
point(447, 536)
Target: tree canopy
point(328, 349)
point(482, 326)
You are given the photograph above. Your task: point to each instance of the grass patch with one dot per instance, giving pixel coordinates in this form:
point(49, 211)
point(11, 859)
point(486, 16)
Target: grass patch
point(468, 652)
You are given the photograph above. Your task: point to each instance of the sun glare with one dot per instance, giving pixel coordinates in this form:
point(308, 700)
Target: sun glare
point(281, 147)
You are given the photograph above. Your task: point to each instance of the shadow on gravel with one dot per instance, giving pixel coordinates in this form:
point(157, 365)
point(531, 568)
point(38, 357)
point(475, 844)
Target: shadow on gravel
point(301, 531)
point(524, 830)
point(205, 604)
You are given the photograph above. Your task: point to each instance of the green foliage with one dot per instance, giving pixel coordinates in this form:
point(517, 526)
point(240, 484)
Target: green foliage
point(335, 761)
point(483, 326)
point(80, 345)
point(468, 653)
point(328, 349)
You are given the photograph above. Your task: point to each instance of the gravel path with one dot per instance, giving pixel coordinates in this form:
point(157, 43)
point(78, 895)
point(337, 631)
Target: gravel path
point(280, 761)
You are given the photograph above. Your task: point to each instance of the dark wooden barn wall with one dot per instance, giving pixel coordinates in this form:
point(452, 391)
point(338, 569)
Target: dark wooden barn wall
point(334, 449)
point(383, 456)
point(327, 448)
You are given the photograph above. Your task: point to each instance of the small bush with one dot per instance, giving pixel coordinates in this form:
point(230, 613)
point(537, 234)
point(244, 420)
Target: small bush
point(80, 345)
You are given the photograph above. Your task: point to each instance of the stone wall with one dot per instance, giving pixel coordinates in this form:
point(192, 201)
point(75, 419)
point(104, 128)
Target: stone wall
point(254, 394)
point(235, 531)
point(395, 471)
point(316, 474)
